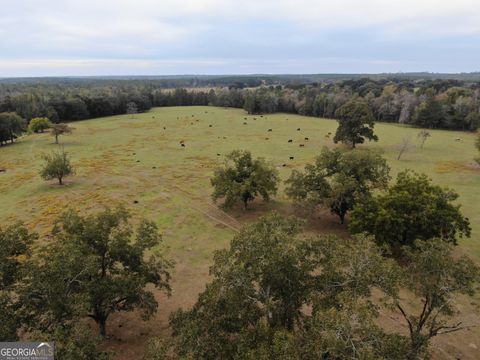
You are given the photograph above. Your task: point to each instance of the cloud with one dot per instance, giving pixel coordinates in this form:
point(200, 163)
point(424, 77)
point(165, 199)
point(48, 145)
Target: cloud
point(126, 32)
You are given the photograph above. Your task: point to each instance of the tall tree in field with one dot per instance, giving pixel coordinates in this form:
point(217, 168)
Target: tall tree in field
point(243, 178)
point(39, 124)
point(56, 166)
point(60, 129)
point(254, 308)
point(423, 136)
point(435, 277)
point(411, 209)
point(263, 277)
point(97, 266)
point(355, 123)
point(339, 179)
point(15, 242)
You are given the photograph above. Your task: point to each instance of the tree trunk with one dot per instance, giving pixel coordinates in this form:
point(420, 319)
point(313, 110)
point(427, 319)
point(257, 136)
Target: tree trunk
point(60, 182)
point(102, 326)
point(56, 139)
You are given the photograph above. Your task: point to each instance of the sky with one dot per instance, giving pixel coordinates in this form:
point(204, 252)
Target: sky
point(168, 37)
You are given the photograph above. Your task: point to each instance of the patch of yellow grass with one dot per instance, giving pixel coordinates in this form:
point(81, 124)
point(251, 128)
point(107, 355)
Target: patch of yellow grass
point(452, 166)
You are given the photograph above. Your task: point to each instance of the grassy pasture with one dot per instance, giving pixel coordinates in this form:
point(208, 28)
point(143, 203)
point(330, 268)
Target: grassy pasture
point(139, 162)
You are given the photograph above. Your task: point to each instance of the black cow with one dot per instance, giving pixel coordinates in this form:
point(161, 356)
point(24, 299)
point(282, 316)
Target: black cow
point(291, 157)
point(290, 141)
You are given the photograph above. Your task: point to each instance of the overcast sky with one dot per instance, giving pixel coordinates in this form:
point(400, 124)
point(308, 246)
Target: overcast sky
point(157, 37)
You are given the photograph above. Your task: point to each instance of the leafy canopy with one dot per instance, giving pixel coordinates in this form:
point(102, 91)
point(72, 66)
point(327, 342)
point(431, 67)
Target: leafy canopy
point(15, 242)
point(355, 123)
point(243, 178)
point(254, 308)
point(39, 124)
point(60, 129)
point(56, 166)
point(338, 179)
point(98, 265)
point(412, 209)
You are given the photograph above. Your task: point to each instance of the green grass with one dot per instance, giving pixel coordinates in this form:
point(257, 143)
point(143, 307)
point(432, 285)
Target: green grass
point(107, 171)
point(176, 193)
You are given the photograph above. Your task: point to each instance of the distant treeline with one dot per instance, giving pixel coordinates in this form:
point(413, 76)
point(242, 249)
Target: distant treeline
point(446, 104)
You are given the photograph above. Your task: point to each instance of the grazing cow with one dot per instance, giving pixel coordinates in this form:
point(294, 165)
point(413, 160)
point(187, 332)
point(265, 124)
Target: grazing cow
point(284, 165)
point(182, 141)
point(206, 112)
point(290, 141)
point(192, 115)
point(135, 201)
point(291, 157)
point(244, 123)
point(154, 167)
point(244, 118)
point(261, 115)
point(267, 138)
point(191, 123)
point(298, 129)
point(254, 118)
point(329, 133)
point(183, 145)
point(458, 139)
point(197, 120)
point(306, 139)
point(218, 154)
point(3, 170)
point(224, 137)
point(210, 125)
point(164, 128)
point(138, 160)
point(269, 130)
point(302, 145)
point(134, 154)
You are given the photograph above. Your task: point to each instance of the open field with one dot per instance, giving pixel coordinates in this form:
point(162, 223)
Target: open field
point(120, 159)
